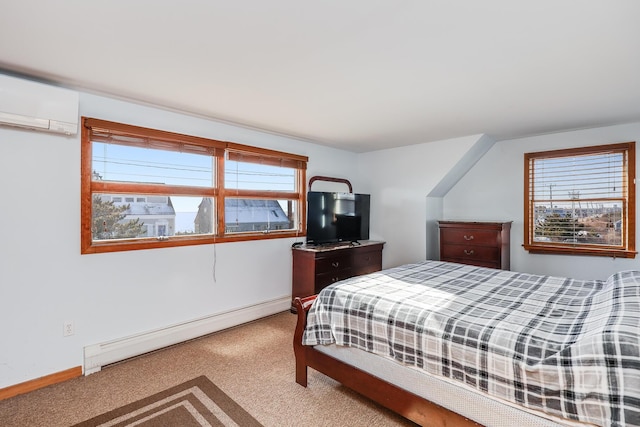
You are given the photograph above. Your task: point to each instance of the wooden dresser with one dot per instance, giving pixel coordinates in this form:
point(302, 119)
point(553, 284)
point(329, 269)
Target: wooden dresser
point(485, 244)
point(315, 267)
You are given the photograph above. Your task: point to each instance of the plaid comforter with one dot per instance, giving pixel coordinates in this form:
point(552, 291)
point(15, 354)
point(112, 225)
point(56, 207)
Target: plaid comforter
point(567, 347)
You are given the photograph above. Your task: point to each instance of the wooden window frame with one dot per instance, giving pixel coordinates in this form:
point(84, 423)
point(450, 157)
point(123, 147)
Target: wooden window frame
point(627, 248)
point(102, 130)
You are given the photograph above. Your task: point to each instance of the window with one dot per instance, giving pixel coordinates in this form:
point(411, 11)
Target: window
point(145, 188)
point(581, 201)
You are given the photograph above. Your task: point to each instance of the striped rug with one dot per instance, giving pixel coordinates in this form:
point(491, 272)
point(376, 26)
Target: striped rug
point(194, 403)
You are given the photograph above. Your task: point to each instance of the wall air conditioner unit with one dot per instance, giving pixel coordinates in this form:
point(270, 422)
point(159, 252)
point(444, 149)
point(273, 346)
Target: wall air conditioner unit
point(38, 106)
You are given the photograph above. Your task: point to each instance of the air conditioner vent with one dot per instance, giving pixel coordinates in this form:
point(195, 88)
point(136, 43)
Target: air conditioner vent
point(38, 106)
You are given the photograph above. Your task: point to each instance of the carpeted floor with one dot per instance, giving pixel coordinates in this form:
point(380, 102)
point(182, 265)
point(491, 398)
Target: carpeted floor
point(252, 364)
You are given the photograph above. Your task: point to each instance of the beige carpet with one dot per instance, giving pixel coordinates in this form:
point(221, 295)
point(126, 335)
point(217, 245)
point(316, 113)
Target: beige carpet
point(252, 364)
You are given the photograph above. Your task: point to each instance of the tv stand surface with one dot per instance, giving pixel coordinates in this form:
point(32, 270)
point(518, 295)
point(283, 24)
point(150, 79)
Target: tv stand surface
point(317, 266)
point(333, 245)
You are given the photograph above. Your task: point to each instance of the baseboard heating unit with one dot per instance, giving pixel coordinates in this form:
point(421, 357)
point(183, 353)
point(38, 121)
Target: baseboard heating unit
point(98, 355)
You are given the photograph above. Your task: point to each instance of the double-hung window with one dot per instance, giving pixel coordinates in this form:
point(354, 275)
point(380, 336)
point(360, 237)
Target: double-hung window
point(144, 188)
point(581, 201)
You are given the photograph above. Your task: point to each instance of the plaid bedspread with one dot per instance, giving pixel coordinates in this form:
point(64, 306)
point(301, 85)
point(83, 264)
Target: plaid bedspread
point(567, 347)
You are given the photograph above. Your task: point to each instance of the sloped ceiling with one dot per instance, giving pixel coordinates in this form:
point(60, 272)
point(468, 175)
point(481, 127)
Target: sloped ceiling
point(355, 74)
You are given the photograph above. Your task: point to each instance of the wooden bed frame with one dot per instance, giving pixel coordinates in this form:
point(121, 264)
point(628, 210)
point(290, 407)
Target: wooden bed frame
point(407, 404)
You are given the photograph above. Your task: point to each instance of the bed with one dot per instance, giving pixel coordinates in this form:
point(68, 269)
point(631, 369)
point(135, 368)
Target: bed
point(451, 344)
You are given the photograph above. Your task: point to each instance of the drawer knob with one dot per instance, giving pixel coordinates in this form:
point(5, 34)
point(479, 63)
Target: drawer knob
point(468, 237)
point(335, 264)
point(468, 252)
point(334, 279)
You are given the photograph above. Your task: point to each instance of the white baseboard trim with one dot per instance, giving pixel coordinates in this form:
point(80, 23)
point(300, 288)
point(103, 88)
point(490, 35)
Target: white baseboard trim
point(98, 355)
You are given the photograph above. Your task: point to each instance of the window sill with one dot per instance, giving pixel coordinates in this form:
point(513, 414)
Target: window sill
point(175, 241)
point(571, 250)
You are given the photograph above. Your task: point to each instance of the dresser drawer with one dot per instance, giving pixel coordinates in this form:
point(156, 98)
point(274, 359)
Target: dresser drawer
point(333, 263)
point(470, 253)
point(469, 236)
point(325, 279)
point(367, 262)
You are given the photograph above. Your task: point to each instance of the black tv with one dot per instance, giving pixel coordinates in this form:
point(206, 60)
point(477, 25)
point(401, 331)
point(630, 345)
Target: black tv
point(337, 217)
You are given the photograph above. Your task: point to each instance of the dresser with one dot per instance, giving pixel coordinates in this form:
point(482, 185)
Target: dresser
point(481, 243)
point(315, 267)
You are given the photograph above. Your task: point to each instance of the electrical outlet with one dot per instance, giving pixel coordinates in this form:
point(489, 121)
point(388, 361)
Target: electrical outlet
point(67, 328)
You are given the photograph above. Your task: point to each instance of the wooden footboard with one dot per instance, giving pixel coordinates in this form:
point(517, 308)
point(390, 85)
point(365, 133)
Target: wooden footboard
point(407, 404)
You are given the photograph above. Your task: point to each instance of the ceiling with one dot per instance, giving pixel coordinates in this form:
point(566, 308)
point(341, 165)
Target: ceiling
point(360, 75)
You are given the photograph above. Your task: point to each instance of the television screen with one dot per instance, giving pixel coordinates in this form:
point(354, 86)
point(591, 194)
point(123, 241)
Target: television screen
point(337, 217)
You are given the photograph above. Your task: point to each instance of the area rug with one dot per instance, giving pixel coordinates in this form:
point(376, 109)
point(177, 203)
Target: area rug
point(195, 403)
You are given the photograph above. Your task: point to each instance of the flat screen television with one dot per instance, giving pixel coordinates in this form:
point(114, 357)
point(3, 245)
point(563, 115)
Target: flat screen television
point(337, 217)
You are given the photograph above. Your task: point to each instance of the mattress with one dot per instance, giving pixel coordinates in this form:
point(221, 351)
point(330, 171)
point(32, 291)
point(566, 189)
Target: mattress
point(457, 397)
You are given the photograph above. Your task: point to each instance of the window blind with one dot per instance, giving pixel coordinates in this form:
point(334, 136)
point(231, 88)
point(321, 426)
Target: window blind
point(135, 136)
point(580, 198)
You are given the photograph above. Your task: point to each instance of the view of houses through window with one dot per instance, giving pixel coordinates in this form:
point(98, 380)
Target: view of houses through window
point(118, 217)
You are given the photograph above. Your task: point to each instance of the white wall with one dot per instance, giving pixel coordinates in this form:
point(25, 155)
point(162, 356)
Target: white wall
point(44, 280)
point(493, 190)
point(399, 181)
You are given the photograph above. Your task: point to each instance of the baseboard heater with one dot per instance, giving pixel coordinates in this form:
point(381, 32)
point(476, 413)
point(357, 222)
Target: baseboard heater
point(98, 355)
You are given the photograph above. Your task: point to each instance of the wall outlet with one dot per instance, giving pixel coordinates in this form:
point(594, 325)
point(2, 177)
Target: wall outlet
point(68, 328)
